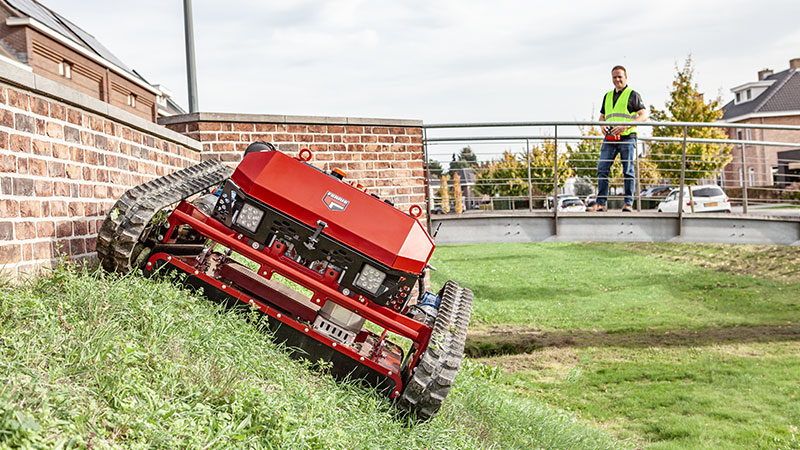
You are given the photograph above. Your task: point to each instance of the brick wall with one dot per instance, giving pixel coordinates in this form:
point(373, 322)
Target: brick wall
point(383, 155)
point(64, 164)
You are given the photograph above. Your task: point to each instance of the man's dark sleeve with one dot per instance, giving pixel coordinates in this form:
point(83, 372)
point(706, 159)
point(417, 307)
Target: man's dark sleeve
point(635, 103)
point(603, 105)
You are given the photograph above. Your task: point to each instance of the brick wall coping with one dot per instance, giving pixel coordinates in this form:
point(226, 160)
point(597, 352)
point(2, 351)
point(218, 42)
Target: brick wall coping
point(30, 81)
point(284, 119)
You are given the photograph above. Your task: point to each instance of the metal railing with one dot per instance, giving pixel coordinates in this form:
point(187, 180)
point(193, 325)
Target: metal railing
point(521, 164)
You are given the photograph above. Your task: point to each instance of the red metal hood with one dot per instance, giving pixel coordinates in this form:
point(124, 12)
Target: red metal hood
point(354, 218)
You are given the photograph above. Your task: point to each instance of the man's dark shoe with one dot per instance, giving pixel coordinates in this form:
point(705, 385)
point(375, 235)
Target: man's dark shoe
point(596, 207)
point(627, 208)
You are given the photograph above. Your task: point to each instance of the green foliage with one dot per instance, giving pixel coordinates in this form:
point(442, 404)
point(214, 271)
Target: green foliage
point(686, 104)
point(466, 158)
point(508, 175)
point(434, 168)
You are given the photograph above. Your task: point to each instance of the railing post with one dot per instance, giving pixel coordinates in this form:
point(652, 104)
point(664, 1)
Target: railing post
point(555, 180)
point(530, 184)
point(744, 182)
point(426, 173)
point(682, 183)
point(637, 185)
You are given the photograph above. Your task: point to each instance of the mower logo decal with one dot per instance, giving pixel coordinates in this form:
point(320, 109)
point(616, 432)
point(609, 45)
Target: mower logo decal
point(334, 202)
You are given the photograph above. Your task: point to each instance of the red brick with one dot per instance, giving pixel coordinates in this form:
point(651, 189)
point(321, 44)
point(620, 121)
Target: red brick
point(81, 227)
point(42, 250)
point(40, 126)
point(91, 242)
point(335, 129)
point(3, 140)
point(350, 129)
point(223, 147)
point(22, 166)
point(379, 130)
point(30, 208)
point(88, 174)
point(60, 151)
point(55, 130)
point(37, 167)
point(39, 106)
point(19, 143)
point(386, 139)
point(9, 254)
point(87, 138)
point(403, 139)
point(42, 148)
point(87, 190)
point(56, 169)
point(235, 137)
point(96, 123)
point(369, 139)
point(209, 126)
point(90, 209)
point(76, 154)
point(73, 172)
point(63, 228)
point(75, 209)
point(61, 189)
point(77, 247)
point(244, 127)
point(45, 229)
point(303, 138)
point(7, 118)
point(351, 139)
point(58, 111)
point(322, 138)
point(18, 99)
point(8, 163)
point(266, 127)
point(100, 191)
point(74, 117)
point(9, 208)
point(24, 230)
point(58, 208)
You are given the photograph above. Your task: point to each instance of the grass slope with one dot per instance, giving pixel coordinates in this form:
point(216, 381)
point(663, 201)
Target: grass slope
point(89, 360)
point(665, 345)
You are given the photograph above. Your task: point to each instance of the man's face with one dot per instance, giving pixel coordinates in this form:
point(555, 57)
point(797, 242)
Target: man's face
point(619, 78)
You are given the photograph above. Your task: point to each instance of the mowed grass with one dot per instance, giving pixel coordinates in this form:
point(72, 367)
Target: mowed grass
point(95, 361)
point(664, 345)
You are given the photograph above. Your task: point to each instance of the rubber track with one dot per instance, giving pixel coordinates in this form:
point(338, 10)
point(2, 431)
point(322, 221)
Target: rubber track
point(125, 223)
point(431, 380)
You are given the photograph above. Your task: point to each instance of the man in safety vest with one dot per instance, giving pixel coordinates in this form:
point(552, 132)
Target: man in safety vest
point(622, 104)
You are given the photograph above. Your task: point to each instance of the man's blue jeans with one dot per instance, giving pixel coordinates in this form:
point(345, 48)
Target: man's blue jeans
point(626, 149)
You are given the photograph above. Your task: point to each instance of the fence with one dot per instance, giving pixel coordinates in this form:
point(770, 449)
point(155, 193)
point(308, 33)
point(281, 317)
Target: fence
point(522, 165)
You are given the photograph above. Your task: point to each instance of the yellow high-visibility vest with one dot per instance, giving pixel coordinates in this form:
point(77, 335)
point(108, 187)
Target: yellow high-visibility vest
point(619, 112)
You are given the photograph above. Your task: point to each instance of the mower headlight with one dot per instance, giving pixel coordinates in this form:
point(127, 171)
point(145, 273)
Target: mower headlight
point(370, 279)
point(249, 217)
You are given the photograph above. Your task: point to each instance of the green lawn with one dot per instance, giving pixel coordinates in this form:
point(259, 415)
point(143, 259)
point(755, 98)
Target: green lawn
point(664, 345)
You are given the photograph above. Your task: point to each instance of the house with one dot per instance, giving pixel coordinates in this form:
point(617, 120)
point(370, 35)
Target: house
point(50, 45)
point(774, 98)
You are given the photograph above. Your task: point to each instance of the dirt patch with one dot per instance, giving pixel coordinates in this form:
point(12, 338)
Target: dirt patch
point(496, 341)
point(773, 262)
point(557, 362)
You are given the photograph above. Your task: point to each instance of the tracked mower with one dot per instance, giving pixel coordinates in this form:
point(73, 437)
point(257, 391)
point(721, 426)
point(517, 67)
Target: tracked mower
point(336, 271)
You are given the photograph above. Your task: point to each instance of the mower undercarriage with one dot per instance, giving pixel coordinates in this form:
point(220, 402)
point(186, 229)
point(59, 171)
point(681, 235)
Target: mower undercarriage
point(154, 227)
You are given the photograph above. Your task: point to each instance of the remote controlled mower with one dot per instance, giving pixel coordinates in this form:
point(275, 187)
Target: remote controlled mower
point(337, 272)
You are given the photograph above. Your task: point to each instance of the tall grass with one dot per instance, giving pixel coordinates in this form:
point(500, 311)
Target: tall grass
point(91, 360)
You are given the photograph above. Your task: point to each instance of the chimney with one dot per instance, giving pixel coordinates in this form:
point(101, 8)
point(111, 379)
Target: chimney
point(762, 74)
point(794, 63)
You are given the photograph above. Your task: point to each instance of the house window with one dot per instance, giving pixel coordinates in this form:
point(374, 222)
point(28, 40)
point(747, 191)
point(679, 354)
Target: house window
point(739, 135)
point(132, 100)
point(65, 69)
point(741, 177)
point(751, 176)
point(749, 95)
point(748, 134)
point(738, 97)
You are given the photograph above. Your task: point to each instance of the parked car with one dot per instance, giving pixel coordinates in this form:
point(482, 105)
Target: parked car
point(571, 204)
point(657, 191)
point(706, 198)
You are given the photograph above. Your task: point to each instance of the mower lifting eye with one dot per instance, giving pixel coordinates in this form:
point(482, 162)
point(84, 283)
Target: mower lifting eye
point(415, 211)
point(305, 154)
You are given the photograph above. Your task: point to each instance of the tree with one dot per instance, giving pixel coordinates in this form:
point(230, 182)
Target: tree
point(458, 199)
point(508, 175)
point(686, 104)
point(466, 158)
point(434, 168)
point(445, 191)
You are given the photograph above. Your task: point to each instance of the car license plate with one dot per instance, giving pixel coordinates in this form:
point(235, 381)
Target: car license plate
point(708, 205)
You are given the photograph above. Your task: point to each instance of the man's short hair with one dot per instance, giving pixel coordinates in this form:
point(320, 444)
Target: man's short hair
point(619, 68)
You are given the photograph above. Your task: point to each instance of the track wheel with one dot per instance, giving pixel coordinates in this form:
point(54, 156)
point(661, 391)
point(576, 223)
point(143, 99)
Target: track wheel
point(431, 379)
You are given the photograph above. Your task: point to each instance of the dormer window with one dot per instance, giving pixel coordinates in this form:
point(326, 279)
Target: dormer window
point(132, 100)
point(749, 94)
point(65, 69)
point(738, 97)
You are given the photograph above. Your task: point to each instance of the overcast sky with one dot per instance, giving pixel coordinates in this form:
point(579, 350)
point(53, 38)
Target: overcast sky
point(440, 60)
